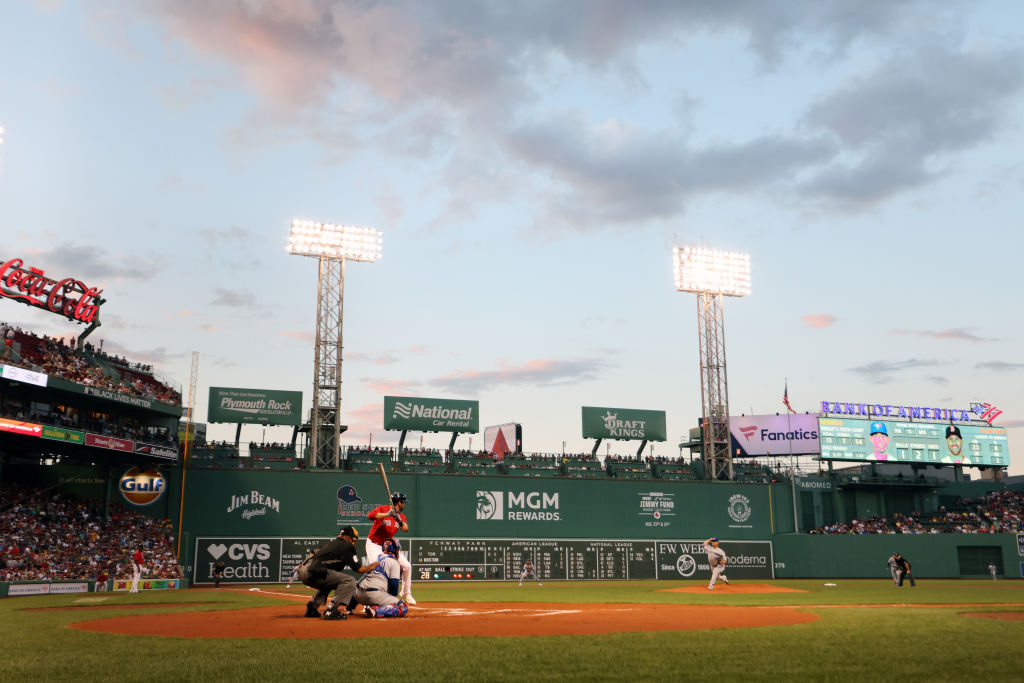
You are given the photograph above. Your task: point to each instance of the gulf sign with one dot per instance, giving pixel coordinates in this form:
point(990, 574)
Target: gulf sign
point(140, 487)
point(774, 434)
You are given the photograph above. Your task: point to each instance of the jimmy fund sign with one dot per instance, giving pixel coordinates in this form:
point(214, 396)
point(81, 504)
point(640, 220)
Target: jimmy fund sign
point(431, 415)
point(624, 424)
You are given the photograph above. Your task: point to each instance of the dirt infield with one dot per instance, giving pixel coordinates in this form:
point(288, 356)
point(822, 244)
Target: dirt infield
point(450, 619)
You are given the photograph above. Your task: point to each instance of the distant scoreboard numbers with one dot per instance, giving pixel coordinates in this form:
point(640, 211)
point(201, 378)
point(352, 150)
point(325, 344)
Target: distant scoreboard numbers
point(503, 560)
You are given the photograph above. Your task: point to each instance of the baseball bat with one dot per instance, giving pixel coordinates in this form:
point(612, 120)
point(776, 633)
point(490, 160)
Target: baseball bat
point(384, 476)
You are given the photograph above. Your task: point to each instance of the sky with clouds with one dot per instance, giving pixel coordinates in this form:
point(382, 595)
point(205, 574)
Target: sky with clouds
point(532, 165)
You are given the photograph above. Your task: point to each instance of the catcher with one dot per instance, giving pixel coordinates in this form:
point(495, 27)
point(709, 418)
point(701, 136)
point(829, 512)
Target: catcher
point(378, 590)
point(717, 560)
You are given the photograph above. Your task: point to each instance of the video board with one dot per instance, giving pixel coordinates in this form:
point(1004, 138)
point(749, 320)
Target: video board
point(913, 442)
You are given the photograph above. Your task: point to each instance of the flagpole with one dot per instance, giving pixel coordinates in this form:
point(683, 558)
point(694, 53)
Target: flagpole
point(789, 435)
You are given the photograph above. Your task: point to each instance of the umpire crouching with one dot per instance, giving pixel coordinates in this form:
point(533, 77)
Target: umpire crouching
point(324, 572)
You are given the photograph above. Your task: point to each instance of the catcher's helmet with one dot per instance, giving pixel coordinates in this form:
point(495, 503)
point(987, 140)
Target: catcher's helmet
point(398, 497)
point(391, 547)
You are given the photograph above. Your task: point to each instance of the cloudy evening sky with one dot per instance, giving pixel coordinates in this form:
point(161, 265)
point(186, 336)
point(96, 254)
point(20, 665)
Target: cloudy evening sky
point(531, 165)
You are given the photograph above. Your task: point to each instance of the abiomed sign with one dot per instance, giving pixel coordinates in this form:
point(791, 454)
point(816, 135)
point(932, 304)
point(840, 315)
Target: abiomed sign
point(431, 415)
point(254, 406)
point(623, 424)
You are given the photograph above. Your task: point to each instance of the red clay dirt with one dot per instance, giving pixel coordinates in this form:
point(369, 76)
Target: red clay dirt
point(451, 619)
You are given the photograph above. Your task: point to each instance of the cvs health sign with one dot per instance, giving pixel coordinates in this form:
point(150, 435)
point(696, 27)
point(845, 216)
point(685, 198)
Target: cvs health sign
point(246, 560)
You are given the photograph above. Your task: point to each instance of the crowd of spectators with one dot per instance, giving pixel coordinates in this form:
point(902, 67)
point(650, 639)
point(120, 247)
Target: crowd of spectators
point(68, 417)
point(52, 535)
point(59, 357)
point(997, 512)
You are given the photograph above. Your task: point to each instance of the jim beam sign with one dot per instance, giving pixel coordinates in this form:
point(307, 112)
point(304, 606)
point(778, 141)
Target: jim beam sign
point(68, 297)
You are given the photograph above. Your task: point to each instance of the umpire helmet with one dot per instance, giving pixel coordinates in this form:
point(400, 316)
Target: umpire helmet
point(398, 497)
point(391, 547)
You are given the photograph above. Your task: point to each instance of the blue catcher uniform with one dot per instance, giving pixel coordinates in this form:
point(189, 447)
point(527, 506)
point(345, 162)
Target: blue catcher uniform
point(378, 590)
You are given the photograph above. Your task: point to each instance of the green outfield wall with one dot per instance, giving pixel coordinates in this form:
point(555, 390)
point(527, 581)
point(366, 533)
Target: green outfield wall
point(250, 513)
point(866, 555)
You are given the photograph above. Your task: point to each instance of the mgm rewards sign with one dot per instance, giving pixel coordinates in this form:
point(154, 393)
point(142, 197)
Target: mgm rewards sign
point(431, 415)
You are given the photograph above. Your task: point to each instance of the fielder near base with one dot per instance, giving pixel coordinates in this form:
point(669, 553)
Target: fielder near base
point(138, 562)
point(387, 521)
point(717, 560)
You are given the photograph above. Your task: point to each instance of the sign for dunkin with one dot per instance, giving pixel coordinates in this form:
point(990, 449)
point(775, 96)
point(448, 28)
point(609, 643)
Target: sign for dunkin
point(68, 297)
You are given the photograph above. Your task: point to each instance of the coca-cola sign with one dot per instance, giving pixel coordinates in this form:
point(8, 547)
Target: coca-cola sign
point(68, 297)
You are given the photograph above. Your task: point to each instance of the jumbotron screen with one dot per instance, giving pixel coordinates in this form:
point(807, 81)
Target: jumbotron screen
point(913, 442)
point(506, 438)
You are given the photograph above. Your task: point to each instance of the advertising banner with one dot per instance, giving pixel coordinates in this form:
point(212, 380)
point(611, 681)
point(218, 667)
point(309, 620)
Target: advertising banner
point(147, 584)
point(623, 424)
point(431, 414)
point(688, 560)
point(914, 442)
point(111, 442)
point(16, 374)
point(756, 435)
point(255, 406)
point(153, 450)
point(60, 434)
point(246, 560)
point(20, 427)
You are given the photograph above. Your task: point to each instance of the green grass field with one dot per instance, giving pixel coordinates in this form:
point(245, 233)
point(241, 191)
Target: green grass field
point(905, 634)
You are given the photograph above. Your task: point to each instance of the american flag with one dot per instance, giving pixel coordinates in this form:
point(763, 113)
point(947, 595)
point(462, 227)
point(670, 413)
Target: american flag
point(785, 398)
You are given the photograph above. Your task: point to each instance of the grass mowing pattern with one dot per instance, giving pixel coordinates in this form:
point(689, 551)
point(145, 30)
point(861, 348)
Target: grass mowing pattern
point(864, 643)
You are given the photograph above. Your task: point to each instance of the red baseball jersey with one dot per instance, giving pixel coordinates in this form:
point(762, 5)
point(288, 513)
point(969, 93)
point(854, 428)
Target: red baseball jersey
point(383, 529)
point(138, 557)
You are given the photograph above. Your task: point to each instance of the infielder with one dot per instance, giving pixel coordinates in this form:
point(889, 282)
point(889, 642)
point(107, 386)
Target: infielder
point(894, 569)
point(528, 570)
point(138, 562)
point(717, 560)
point(378, 590)
point(387, 520)
point(323, 571)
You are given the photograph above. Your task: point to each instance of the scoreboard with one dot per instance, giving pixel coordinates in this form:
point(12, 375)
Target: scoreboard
point(272, 559)
point(445, 559)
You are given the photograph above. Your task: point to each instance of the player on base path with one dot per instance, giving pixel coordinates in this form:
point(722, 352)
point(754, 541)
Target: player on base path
point(138, 562)
point(387, 520)
point(528, 570)
point(717, 560)
point(378, 590)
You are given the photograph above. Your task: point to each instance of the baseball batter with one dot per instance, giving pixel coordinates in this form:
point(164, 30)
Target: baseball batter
point(528, 570)
point(138, 562)
point(387, 520)
point(717, 560)
point(378, 590)
point(323, 571)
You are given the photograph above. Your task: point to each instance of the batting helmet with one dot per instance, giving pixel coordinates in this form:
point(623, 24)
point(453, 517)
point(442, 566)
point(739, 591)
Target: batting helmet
point(398, 497)
point(391, 547)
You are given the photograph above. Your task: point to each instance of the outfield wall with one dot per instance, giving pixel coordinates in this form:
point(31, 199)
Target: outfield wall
point(866, 555)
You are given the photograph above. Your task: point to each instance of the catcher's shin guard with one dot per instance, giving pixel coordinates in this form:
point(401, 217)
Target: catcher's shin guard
point(399, 609)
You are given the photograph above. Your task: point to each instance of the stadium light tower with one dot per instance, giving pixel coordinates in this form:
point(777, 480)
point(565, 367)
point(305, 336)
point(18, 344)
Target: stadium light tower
point(332, 245)
point(712, 274)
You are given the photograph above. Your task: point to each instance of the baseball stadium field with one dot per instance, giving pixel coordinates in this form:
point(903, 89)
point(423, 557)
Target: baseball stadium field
point(846, 629)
